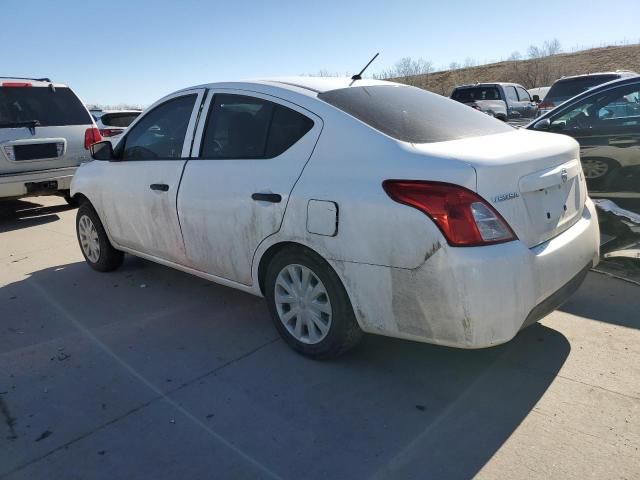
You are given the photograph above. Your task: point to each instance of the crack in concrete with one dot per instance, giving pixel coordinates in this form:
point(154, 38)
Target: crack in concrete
point(8, 419)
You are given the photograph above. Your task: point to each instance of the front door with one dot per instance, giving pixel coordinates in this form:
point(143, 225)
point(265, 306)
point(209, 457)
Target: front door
point(252, 149)
point(141, 187)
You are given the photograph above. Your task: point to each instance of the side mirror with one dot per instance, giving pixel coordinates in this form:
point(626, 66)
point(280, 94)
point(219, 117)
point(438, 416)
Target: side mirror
point(543, 124)
point(102, 151)
point(536, 99)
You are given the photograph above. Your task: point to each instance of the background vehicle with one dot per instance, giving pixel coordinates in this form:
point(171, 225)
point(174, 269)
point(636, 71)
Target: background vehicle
point(606, 122)
point(567, 87)
point(112, 123)
point(505, 101)
point(350, 205)
point(540, 92)
point(45, 133)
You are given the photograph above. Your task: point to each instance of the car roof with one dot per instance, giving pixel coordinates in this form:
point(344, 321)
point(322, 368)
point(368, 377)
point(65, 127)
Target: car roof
point(310, 86)
point(35, 82)
point(489, 84)
point(620, 73)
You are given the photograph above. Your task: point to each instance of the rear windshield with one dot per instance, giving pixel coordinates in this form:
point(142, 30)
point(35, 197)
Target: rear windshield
point(411, 114)
point(466, 95)
point(564, 89)
point(119, 119)
point(25, 104)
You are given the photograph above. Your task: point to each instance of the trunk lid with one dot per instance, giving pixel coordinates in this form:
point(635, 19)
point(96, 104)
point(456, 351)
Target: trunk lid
point(533, 179)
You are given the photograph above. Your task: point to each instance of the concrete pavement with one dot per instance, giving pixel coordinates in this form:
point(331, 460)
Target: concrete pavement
point(147, 372)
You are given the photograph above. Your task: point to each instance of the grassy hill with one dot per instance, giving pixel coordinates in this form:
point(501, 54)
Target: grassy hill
point(531, 73)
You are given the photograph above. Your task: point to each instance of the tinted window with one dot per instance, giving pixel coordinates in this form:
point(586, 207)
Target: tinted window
point(523, 95)
point(466, 95)
point(119, 119)
point(619, 106)
point(160, 133)
point(511, 94)
point(23, 104)
point(411, 114)
point(248, 127)
point(564, 89)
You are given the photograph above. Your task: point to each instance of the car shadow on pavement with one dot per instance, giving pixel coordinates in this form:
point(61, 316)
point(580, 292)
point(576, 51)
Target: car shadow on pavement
point(611, 305)
point(17, 214)
point(388, 409)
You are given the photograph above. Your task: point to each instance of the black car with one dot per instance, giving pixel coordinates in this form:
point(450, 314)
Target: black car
point(605, 120)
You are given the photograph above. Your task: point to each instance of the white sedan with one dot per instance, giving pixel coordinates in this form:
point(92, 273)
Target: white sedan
point(352, 206)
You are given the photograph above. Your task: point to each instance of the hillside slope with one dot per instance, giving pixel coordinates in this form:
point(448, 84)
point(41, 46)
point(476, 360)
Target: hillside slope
point(534, 72)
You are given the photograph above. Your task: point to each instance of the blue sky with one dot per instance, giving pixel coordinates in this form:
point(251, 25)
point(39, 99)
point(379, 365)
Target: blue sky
point(136, 51)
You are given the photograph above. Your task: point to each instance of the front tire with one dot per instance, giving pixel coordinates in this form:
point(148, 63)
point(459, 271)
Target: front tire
point(94, 243)
point(309, 305)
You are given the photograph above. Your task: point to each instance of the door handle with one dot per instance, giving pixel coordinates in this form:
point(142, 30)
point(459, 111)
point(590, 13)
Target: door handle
point(267, 197)
point(161, 187)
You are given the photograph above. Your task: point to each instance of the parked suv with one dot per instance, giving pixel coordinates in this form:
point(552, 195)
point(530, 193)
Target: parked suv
point(567, 87)
point(505, 101)
point(112, 123)
point(45, 133)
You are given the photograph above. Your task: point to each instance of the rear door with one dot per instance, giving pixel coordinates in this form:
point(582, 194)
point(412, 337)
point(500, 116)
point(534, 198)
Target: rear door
point(139, 191)
point(251, 149)
point(515, 111)
point(41, 127)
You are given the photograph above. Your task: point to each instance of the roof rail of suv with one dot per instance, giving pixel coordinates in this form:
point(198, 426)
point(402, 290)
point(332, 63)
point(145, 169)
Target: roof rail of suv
point(45, 79)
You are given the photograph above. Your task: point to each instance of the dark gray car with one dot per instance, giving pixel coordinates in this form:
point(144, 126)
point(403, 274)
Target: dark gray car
point(605, 120)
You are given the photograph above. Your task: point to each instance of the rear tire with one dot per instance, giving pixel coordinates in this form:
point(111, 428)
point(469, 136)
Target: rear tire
point(94, 243)
point(309, 305)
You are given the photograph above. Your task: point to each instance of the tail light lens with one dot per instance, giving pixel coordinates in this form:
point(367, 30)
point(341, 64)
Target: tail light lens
point(17, 84)
point(91, 136)
point(545, 105)
point(111, 132)
point(463, 217)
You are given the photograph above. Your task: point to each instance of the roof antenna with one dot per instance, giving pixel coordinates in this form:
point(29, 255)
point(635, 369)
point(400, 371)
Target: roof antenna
point(358, 76)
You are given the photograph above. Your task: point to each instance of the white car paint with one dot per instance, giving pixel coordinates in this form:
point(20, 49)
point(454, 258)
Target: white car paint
point(401, 275)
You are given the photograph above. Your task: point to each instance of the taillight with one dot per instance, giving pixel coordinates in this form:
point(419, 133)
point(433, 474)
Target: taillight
point(91, 136)
point(463, 217)
point(111, 132)
point(545, 106)
point(17, 84)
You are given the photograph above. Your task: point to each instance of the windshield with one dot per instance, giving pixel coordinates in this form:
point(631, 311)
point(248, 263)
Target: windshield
point(50, 108)
point(564, 89)
point(411, 114)
point(467, 95)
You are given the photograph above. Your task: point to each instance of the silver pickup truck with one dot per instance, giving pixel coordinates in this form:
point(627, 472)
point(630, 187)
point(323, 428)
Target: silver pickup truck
point(509, 102)
point(45, 133)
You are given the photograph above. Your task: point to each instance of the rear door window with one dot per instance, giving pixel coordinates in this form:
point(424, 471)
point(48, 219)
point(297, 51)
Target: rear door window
point(411, 114)
point(511, 94)
point(50, 108)
point(122, 120)
point(243, 127)
point(160, 133)
point(523, 95)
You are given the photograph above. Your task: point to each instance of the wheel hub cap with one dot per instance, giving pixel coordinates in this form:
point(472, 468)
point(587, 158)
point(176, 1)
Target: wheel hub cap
point(303, 304)
point(89, 240)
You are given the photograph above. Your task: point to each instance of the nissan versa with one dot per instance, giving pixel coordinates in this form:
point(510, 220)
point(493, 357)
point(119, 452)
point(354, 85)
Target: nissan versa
point(351, 205)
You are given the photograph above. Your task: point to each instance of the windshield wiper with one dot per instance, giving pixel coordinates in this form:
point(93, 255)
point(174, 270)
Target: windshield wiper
point(21, 123)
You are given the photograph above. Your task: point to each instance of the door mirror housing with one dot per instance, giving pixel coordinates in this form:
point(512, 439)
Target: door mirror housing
point(102, 151)
point(544, 124)
point(535, 99)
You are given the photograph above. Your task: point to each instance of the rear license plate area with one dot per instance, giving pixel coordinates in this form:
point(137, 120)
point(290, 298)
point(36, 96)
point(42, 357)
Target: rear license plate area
point(42, 187)
point(35, 151)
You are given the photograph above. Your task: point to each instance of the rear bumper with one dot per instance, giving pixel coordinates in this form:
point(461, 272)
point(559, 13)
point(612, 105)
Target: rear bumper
point(473, 297)
point(22, 184)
